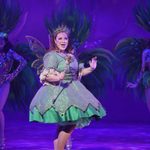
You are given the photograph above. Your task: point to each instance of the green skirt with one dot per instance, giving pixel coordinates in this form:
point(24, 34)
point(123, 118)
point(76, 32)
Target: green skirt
point(74, 105)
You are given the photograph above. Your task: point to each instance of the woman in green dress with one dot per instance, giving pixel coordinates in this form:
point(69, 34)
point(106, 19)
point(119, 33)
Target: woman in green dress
point(63, 99)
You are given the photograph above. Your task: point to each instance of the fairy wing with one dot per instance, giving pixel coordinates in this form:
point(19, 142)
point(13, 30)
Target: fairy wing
point(97, 80)
point(39, 50)
point(36, 46)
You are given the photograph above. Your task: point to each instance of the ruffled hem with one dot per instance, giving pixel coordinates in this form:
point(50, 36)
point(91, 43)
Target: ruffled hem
point(73, 115)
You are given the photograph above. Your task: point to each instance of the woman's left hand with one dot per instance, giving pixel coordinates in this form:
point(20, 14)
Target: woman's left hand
point(93, 63)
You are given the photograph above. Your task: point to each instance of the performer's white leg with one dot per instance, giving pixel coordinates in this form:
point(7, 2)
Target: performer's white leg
point(4, 91)
point(55, 144)
point(147, 94)
point(64, 135)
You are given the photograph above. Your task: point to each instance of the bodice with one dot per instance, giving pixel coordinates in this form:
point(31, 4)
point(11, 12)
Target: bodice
point(71, 69)
point(6, 63)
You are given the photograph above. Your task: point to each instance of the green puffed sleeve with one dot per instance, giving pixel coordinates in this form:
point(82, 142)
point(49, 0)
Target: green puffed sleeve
point(50, 60)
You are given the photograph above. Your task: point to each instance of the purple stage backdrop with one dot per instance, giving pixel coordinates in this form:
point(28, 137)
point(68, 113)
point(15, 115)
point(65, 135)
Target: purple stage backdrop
point(112, 20)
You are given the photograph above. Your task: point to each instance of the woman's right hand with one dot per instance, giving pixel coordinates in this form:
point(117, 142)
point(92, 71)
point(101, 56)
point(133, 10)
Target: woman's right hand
point(131, 85)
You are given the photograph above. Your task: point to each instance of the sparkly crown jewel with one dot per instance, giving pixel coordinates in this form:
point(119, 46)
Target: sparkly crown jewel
point(61, 28)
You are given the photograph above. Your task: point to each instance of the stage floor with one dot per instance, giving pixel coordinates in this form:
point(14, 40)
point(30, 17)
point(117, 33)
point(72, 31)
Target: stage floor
point(22, 135)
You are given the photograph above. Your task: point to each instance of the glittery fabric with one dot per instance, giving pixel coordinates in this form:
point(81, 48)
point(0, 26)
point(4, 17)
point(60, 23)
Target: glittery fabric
point(6, 62)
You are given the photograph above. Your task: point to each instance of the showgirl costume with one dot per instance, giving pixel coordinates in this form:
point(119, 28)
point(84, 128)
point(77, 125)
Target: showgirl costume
point(9, 17)
point(67, 103)
point(142, 18)
point(22, 85)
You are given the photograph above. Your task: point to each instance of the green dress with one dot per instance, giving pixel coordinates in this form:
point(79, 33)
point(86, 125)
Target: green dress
point(67, 103)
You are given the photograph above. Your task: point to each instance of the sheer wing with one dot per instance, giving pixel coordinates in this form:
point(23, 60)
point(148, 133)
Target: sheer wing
point(39, 50)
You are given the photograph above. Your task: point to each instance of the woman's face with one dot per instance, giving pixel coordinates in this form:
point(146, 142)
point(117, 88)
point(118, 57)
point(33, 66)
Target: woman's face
point(2, 43)
point(61, 41)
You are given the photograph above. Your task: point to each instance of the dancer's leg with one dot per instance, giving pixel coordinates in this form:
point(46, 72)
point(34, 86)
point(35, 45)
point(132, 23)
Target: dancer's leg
point(55, 142)
point(147, 94)
point(64, 136)
point(4, 91)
